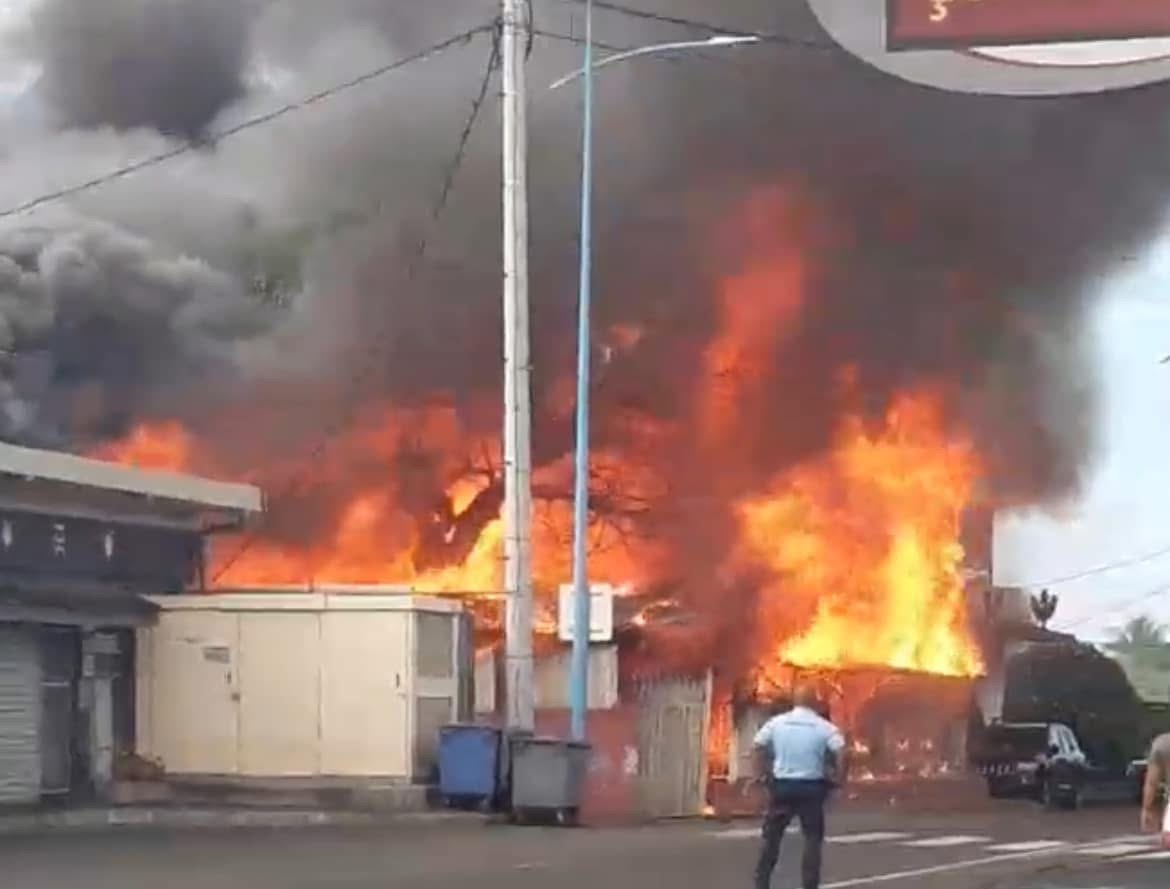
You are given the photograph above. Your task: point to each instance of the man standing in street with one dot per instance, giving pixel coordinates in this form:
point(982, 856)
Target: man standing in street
point(797, 754)
point(1157, 774)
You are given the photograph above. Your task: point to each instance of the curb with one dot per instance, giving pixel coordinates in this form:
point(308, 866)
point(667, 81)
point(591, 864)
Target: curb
point(217, 819)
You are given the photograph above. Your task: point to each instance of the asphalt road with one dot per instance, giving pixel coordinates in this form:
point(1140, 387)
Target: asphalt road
point(1015, 846)
point(1133, 875)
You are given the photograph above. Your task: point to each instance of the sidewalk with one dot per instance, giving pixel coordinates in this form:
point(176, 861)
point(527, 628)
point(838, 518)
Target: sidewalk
point(212, 818)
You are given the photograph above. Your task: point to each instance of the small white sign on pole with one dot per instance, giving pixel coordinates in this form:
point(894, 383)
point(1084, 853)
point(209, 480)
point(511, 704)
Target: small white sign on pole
point(600, 612)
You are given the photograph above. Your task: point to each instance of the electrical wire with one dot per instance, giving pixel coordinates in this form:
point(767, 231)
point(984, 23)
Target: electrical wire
point(371, 364)
point(1124, 605)
point(579, 41)
point(249, 124)
point(704, 26)
point(1100, 569)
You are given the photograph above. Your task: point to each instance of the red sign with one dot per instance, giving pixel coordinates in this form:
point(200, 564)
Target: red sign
point(926, 24)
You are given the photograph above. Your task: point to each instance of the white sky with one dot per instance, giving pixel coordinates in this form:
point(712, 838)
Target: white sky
point(14, 72)
point(1125, 513)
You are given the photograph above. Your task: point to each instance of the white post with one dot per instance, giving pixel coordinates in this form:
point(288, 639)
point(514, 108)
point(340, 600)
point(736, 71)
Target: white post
point(518, 687)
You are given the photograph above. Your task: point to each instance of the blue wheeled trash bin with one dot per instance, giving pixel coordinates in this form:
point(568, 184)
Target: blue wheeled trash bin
point(471, 766)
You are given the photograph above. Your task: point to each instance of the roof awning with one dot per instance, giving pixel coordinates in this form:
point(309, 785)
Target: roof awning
point(96, 606)
point(42, 481)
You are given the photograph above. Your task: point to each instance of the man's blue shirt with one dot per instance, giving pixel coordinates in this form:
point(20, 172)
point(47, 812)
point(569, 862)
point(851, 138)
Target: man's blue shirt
point(800, 742)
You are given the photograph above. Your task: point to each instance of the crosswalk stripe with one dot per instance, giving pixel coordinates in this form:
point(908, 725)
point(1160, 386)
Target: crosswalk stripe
point(1126, 847)
point(1033, 846)
point(738, 833)
point(946, 842)
point(1139, 839)
point(880, 836)
point(875, 837)
point(1150, 856)
point(1116, 850)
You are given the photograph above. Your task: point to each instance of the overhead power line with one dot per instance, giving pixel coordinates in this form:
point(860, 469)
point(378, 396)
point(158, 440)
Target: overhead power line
point(1124, 605)
point(578, 41)
point(701, 25)
point(249, 124)
point(369, 358)
point(1101, 569)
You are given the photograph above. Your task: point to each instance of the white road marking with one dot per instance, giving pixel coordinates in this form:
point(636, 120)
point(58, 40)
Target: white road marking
point(968, 864)
point(1101, 847)
point(875, 837)
point(738, 833)
point(1033, 846)
point(1114, 850)
point(1149, 856)
point(881, 836)
point(946, 842)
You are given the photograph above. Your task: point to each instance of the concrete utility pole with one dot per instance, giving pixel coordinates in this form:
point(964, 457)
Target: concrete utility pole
point(518, 687)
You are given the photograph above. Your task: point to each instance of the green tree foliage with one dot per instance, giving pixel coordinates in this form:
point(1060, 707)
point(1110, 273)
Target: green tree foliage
point(1143, 649)
point(1141, 637)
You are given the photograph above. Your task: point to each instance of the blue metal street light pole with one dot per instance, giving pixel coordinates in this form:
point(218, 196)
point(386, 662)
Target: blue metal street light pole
point(579, 671)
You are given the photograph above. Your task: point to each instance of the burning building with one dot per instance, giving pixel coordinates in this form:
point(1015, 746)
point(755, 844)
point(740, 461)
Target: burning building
point(828, 329)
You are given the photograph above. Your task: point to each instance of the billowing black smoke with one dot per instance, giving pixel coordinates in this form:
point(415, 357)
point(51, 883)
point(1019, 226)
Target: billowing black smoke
point(952, 240)
point(171, 65)
point(957, 239)
point(98, 327)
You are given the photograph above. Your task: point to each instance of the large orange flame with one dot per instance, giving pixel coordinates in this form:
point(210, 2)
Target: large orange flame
point(862, 548)
point(854, 551)
point(375, 538)
point(163, 446)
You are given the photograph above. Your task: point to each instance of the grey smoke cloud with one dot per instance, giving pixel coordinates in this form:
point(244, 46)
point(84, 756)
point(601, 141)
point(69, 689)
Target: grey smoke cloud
point(956, 240)
point(97, 325)
point(171, 65)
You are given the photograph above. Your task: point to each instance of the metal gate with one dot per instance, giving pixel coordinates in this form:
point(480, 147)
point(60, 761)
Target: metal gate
point(673, 724)
point(20, 707)
point(64, 730)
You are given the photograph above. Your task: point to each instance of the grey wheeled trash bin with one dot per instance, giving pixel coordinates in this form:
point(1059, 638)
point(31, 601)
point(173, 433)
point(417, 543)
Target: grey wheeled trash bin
point(548, 778)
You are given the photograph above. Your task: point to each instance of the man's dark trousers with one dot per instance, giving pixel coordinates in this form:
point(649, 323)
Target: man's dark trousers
point(794, 799)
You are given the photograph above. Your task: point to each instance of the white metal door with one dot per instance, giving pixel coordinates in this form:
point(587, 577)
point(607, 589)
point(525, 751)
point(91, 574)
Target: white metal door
point(365, 690)
point(196, 713)
point(280, 710)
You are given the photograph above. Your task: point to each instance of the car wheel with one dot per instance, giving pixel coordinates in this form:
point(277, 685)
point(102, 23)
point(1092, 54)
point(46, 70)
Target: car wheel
point(1049, 796)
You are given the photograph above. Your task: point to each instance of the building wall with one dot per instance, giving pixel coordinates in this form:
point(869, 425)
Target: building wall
point(551, 674)
point(552, 678)
point(291, 693)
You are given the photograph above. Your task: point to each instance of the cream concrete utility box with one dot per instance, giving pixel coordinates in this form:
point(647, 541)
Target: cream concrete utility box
point(301, 685)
